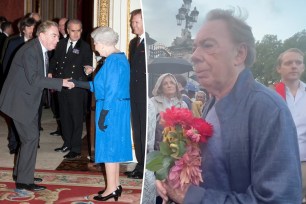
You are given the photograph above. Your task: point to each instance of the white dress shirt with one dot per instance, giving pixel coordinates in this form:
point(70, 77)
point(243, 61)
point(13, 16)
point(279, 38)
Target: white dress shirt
point(297, 107)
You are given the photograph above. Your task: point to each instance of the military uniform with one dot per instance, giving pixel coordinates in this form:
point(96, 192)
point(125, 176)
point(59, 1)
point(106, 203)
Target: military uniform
point(72, 103)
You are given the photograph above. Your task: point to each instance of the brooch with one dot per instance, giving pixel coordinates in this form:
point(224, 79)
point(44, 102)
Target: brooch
point(76, 51)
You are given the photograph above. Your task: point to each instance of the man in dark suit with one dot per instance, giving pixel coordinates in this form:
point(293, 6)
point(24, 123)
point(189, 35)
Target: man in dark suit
point(7, 30)
point(20, 99)
point(26, 28)
point(138, 92)
point(70, 56)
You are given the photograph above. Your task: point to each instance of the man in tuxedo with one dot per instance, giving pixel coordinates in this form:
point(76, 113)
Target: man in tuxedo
point(138, 92)
point(20, 99)
point(70, 55)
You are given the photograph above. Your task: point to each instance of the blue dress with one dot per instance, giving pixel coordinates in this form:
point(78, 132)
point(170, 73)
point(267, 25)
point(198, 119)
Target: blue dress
point(111, 87)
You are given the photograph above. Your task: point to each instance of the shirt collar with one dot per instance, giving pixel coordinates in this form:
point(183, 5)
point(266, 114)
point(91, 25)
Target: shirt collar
point(73, 42)
point(43, 48)
point(141, 36)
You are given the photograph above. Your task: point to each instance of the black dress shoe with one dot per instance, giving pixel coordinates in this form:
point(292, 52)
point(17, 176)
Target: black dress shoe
point(119, 191)
point(30, 187)
point(13, 151)
point(62, 149)
point(72, 156)
point(129, 172)
point(109, 196)
point(56, 133)
point(37, 180)
point(136, 175)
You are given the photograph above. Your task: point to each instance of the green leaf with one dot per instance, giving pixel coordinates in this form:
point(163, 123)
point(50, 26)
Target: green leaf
point(182, 148)
point(154, 161)
point(162, 173)
point(164, 148)
point(168, 162)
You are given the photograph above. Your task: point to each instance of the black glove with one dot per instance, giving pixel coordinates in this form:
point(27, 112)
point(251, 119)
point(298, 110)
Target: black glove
point(102, 119)
point(80, 84)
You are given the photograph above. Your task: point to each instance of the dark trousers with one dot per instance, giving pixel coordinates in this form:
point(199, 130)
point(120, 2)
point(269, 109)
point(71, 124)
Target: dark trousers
point(71, 107)
point(26, 157)
point(55, 108)
point(13, 138)
point(138, 111)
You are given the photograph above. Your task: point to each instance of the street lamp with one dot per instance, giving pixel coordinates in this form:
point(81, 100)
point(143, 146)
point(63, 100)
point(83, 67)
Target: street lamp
point(183, 14)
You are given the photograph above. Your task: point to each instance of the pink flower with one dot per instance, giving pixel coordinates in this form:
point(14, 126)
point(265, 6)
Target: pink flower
point(187, 170)
point(193, 135)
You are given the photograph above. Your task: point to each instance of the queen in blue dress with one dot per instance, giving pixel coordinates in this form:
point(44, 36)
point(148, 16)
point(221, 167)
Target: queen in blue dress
point(111, 89)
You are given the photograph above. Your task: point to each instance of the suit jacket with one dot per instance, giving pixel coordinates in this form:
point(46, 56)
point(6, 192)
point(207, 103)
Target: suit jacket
point(21, 94)
point(3, 37)
point(70, 65)
point(138, 71)
point(12, 47)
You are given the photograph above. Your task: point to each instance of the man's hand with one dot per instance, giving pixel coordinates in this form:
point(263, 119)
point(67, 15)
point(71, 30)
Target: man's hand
point(49, 75)
point(168, 192)
point(88, 69)
point(161, 190)
point(68, 84)
point(176, 194)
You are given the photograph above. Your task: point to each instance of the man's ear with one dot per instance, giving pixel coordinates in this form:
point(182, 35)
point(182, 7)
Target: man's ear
point(241, 54)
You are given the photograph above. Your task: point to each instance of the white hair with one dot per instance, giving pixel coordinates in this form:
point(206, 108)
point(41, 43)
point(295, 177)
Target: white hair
point(105, 35)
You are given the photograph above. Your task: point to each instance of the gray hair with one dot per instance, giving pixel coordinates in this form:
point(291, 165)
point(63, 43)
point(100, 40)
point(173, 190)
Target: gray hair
point(105, 35)
point(74, 21)
point(44, 26)
point(241, 32)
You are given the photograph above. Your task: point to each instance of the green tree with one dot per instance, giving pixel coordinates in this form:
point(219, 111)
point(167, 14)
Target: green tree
point(267, 51)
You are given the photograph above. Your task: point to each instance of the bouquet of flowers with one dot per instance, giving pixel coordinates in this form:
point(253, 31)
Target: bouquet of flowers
point(179, 157)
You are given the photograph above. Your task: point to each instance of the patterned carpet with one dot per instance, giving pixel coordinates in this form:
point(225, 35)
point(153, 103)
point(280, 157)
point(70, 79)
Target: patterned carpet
point(65, 187)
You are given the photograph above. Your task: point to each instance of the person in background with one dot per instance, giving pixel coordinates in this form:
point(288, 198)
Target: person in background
point(113, 130)
point(165, 95)
point(7, 30)
point(62, 26)
point(182, 82)
point(290, 66)
point(70, 56)
point(23, 87)
point(138, 92)
point(35, 16)
point(253, 155)
point(2, 19)
point(198, 104)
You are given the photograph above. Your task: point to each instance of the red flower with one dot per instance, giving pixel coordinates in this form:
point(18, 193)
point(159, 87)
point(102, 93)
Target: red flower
point(205, 129)
point(174, 116)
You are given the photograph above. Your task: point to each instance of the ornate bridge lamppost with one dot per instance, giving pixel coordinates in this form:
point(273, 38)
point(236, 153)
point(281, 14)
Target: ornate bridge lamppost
point(184, 14)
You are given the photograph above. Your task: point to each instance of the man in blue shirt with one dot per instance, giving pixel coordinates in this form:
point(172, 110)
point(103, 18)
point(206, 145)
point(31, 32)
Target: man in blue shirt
point(253, 156)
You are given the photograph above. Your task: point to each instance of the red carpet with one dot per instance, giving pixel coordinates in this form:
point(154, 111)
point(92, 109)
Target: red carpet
point(65, 187)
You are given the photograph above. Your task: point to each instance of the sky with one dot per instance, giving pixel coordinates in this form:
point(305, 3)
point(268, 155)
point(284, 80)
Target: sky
point(283, 18)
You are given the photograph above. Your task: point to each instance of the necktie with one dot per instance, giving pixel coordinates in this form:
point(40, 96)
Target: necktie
point(70, 48)
point(138, 41)
point(46, 63)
